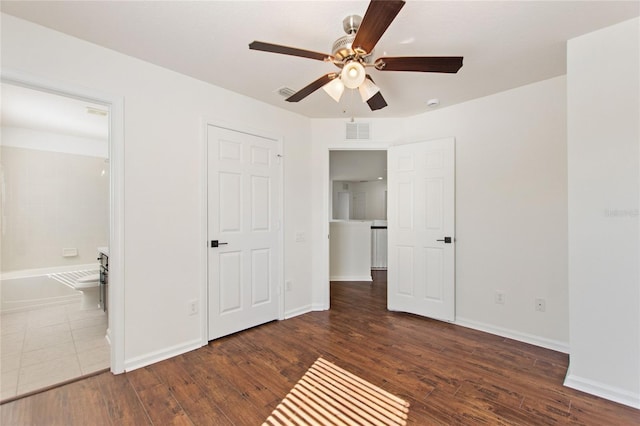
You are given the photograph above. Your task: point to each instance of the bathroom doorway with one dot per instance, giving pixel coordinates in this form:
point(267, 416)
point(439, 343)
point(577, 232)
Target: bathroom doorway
point(55, 193)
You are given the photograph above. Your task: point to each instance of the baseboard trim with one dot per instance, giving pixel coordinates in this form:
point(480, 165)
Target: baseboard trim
point(515, 335)
point(299, 311)
point(319, 307)
point(153, 357)
point(600, 389)
point(351, 278)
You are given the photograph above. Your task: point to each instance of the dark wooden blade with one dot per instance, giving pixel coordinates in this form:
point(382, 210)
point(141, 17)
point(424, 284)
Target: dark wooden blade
point(376, 102)
point(286, 50)
point(306, 91)
point(375, 22)
point(450, 64)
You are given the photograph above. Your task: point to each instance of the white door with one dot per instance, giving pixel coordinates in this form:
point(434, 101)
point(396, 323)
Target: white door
point(359, 205)
point(243, 208)
point(421, 231)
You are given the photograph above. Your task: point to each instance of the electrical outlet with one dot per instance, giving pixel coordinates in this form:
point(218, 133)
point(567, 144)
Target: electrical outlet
point(541, 305)
point(288, 286)
point(193, 307)
point(499, 298)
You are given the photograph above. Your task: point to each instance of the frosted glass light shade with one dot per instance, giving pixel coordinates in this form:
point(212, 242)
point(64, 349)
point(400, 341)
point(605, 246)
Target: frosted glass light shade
point(367, 89)
point(334, 88)
point(353, 75)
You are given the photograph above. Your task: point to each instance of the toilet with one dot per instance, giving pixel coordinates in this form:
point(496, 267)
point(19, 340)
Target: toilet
point(89, 286)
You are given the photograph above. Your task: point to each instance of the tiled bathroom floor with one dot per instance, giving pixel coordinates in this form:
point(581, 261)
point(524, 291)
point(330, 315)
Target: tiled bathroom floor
point(44, 347)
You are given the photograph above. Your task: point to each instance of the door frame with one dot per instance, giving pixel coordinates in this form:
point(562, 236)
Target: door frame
point(325, 286)
point(204, 287)
point(116, 195)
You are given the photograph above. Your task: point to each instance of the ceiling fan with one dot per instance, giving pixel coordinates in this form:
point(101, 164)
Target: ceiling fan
point(353, 53)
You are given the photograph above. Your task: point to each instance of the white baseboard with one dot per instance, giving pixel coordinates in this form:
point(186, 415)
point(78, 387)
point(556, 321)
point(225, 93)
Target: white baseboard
point(515, 335)
point(604, 391)
point(298, 311)
point(351, 278)
point(25, 273)
point(152, 358)
point(319, 307)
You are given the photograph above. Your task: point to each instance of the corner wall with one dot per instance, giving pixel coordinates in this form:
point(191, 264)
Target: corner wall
point(604, 198)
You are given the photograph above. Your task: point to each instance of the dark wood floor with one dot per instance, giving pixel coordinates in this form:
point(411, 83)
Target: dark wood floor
point(449, 374)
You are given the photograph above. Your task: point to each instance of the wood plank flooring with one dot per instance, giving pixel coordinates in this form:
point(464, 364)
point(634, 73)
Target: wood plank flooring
point(449, 374)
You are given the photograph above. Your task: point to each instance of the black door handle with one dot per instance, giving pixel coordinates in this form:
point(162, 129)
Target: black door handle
point(447, 240)
point(215, 243)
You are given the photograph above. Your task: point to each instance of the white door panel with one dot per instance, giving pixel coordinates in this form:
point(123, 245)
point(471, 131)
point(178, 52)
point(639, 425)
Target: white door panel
point(244, 184)
point(421, 271)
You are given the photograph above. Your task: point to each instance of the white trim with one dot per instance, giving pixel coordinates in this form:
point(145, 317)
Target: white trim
point(204, 260)
point(161, 355)
point(26, 273)
point(299, 311)
point(555, 345)
point(204, 288)
point(367, 278)
point(116, 202)
point(602, 390)
point(318, 307)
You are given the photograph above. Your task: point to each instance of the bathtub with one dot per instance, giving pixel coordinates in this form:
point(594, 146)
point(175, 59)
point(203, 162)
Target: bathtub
point(34, 292)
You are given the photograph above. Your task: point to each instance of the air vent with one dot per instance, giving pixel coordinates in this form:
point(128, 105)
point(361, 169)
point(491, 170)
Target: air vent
point(358, 131)
point(285, 92)
point(97, 111)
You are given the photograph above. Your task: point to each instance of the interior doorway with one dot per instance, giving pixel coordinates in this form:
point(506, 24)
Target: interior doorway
point(110, 170)
point(55, 216)
point(357, 216)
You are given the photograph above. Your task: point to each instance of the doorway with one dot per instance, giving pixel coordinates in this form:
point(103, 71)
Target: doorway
point(357, 220)
point(111, 171)
point(422, 228)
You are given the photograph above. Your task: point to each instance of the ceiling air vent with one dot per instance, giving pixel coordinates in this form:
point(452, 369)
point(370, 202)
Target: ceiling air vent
point(358, 131)
point(285, 92)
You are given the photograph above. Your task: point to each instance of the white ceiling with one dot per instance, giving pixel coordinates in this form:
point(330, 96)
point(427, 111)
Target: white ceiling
point(505, 44)
point(47, 112)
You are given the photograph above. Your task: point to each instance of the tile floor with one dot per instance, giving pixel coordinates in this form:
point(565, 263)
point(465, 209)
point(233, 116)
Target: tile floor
point(43, 347)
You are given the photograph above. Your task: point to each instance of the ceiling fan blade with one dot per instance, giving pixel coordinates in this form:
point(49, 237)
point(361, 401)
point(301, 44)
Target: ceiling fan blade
point(306, 91)
point(376, 102)
point(449, 64)
point(286, 50)
point(377, 19)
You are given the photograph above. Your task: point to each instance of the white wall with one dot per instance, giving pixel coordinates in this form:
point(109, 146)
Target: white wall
point(604, 171)
point(350, 251)
point(511, 209)
point(374, 194)
point(54, 142)
point(51, 201)
point(511, 205)
point(163, 174)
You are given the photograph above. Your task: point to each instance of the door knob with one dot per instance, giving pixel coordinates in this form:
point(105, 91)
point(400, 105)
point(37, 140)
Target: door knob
point(447, 240)
point(215, 243)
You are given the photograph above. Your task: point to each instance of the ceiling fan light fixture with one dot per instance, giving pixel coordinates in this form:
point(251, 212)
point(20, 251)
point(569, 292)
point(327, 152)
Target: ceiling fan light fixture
point(334, 88)
point(367, 90)
point(353, 74)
